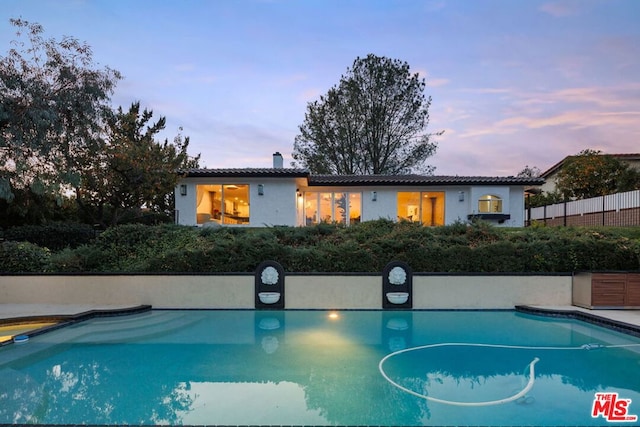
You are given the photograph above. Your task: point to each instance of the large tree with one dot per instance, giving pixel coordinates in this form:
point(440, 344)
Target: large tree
point(373, 122)
point(591, 174)
point(52, 104)
point(133, 174)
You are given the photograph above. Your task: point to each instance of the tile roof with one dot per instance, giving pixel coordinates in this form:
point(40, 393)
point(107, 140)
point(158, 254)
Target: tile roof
point(244, 172)
point(363, 180)
point(318, 180)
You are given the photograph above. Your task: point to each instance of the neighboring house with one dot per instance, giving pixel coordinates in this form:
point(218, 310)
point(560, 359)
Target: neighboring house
point(259, 197)
point(551, 174)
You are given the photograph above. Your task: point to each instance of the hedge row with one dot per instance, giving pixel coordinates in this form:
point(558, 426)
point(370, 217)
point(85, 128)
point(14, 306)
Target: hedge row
point(54, 236)
point(365, 247)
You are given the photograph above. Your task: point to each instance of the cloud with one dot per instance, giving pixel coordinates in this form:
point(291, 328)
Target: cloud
point(449, 114)
point(184, 67)
point(434, 5)
point(501, 128)
point(487, 90)
point(610, 97)
point(309, 95)
point(293, 78)
point(560, 9)
point(432, 81)
point(225, 143)
point(207, 78)
point(572, 120)
point(577, 107)
point(580, 119)
point(437, 82)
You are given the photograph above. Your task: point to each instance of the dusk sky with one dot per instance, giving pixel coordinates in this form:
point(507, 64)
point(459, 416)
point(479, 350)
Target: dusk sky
point(513, 82)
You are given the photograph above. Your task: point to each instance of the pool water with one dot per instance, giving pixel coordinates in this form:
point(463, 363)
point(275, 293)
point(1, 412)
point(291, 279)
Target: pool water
point(319, 367)
point(8, 332)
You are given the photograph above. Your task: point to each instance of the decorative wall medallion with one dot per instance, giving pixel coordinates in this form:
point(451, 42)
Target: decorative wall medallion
point(397, 276)
point(269, 276)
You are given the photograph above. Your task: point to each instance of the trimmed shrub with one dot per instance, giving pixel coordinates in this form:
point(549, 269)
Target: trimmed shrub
point(86, 258)
point(23, 257)
point(365, 247)
point(55, 236)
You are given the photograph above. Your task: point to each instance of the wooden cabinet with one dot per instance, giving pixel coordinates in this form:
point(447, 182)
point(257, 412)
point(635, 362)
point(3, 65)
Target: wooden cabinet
point(615, 290)
point(633, 290)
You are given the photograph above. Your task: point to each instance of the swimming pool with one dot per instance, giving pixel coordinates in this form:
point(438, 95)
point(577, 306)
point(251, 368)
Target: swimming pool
point(320, 367)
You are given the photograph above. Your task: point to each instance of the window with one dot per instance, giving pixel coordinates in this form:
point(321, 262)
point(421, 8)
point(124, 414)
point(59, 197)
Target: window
point(343, 208)
point(489, 204)
point(355, 207)
point(424, 207)
point(310, 208)
point(326, 211)
point(222, 203)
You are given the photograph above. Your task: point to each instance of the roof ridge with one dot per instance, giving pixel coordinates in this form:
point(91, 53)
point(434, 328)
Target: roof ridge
point(352, 180)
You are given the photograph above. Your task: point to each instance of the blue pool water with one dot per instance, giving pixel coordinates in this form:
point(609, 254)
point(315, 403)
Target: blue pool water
point(320, 368)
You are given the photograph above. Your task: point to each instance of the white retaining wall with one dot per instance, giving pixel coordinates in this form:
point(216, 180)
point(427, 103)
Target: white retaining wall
point(301, 291)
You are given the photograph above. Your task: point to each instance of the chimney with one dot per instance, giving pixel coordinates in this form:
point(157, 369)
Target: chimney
point(278, 162)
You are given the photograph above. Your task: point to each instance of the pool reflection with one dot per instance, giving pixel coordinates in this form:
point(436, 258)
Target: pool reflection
point(296, 367)
point(269, 329)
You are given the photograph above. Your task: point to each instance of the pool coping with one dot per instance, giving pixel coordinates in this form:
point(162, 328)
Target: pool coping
point(589, 317)
point(62, 320)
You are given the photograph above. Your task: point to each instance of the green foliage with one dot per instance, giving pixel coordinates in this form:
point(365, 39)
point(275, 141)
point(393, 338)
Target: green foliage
point(543, 199)
point(591, 174)
point(372, 122)
point(54, 236)
point(366, 247)
point(85, 258)
point(529, 172)
point(52, 104)
point(23, 257)
point(132, 170)
point(58, 132)
point(132, 247)
point(29, 208)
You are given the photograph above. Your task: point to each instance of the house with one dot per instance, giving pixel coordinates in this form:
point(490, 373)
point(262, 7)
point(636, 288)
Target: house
point(259, 197)
point(551, 174)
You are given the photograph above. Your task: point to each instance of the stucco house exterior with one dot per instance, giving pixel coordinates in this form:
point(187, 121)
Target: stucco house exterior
point(258, 197)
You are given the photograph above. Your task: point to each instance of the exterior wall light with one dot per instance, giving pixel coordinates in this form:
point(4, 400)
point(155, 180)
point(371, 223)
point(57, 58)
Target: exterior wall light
point(461, 196)
point(260, 190)
point(183, 189)
point(374, 196)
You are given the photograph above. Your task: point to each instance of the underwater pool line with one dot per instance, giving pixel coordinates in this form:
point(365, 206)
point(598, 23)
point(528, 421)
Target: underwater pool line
point(588, 317)
point(62, 320)
point(521, 394)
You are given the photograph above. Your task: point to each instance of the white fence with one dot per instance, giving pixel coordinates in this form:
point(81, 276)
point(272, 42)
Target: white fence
point(620, 209)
